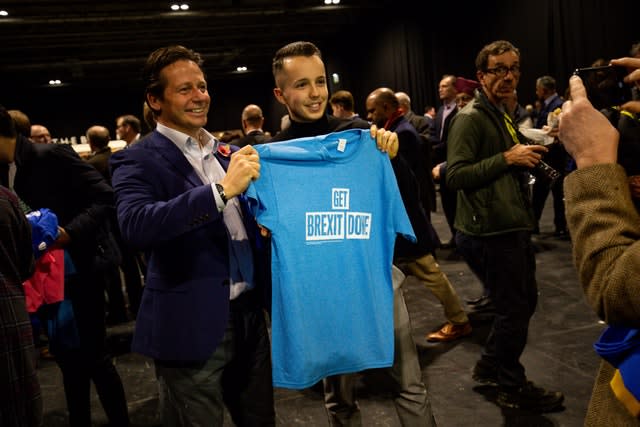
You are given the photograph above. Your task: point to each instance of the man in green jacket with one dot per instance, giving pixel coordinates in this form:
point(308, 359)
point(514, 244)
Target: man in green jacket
point(489, 165)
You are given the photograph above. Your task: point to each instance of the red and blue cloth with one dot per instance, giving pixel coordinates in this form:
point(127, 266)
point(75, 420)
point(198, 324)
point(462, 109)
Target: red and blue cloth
point(44, 230)
point(620, 347)
point(46, 285)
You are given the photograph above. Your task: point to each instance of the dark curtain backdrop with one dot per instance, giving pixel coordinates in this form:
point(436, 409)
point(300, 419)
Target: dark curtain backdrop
point(405, 50)
point(414, 51)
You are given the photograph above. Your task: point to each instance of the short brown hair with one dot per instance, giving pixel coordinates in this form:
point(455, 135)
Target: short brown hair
point(161, 58)
point(23, 124)
point(299, 48)
point(343, 98)
point(495, 48)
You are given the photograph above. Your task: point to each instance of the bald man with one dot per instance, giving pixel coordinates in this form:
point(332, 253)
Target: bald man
point(40, 134)
point(98, 138)
point(252, 122)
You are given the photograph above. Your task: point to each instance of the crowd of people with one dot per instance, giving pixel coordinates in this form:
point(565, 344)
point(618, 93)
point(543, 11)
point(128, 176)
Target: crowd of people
point(200, 233)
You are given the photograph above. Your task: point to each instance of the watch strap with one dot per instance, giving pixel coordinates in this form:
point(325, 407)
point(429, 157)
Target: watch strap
point(220, 189)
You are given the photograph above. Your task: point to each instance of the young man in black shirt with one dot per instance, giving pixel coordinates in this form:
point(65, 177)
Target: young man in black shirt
point(301, 85)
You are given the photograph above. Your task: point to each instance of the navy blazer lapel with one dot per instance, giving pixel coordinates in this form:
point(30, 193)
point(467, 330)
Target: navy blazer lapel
point(176, 159)
point(223, 159)
point(224, 152)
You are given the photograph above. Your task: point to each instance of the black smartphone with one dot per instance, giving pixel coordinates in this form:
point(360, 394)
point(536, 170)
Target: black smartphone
point(605, 85)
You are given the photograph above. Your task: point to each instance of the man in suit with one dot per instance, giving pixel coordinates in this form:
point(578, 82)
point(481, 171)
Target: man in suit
point(557, 158)
point(425, 131)
point(98, 138)
point(53, 176)
point(430, 114)
point(343, 105)
point(252, 122)
point(128, 129)
point(201, 318)
point(421, 123)
point(133, 265)
point(447, 92)
point(384, 111)
point(40, 134)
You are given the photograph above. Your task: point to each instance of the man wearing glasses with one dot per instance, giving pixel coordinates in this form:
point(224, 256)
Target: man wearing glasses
point(128, 129)
point(489, 165)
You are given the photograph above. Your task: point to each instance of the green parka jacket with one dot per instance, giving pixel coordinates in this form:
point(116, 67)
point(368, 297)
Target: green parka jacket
point(493, 197)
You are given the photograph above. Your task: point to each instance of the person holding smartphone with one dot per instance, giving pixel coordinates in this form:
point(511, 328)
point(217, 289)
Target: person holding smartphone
point(605, 229)
point(607, 92)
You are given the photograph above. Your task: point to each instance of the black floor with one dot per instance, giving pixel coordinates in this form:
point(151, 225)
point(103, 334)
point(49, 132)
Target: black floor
point(559, 356)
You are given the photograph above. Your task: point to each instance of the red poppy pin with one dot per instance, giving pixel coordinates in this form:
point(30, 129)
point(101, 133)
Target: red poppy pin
point(224, 149)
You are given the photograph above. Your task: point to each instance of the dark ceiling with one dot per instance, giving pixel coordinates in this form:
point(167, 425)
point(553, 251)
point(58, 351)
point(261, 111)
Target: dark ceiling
point(85, 43)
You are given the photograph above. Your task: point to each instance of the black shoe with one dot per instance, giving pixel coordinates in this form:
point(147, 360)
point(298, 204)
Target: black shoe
point(451, 244)
point(454, 255)
point(484, 373)
point(561, 234)
point(483, 306)
point(116, 320)
point(530, 397)
point(476, 301)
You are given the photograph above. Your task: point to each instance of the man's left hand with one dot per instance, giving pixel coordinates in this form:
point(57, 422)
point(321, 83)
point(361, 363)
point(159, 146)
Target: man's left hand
point(63, 238)
point(386, 141)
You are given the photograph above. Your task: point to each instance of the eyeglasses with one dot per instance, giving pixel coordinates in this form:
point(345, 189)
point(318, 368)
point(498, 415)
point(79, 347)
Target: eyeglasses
point(502, 71)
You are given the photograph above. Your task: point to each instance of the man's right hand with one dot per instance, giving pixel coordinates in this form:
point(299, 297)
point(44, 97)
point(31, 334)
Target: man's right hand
point(633, 65)
point(585, 132)
point(524, 155)
point(243, 168)
point(435, 172)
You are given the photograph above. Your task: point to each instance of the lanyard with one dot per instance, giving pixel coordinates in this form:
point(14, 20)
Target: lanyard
point(629, 114)
point(626, 113)
point(512, 130)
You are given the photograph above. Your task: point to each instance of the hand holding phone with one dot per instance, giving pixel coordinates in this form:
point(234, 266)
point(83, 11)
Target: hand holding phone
point(605, 85)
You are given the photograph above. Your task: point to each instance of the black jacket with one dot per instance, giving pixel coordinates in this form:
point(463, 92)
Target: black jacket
point(252, 138)
point(53, 176)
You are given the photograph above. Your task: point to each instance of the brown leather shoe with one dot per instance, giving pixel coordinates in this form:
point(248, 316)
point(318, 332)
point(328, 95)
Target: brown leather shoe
point(450, 332)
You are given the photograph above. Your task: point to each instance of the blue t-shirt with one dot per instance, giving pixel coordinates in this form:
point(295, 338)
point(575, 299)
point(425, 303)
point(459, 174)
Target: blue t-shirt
point(334, 210)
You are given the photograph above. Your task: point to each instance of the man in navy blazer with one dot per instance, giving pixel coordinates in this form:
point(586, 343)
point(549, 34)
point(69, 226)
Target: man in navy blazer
point(447, 91)
point(556, 157)
point(179, 200)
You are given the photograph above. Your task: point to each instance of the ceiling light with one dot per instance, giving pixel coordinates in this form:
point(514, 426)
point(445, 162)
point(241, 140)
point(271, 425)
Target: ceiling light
point(176, 7)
